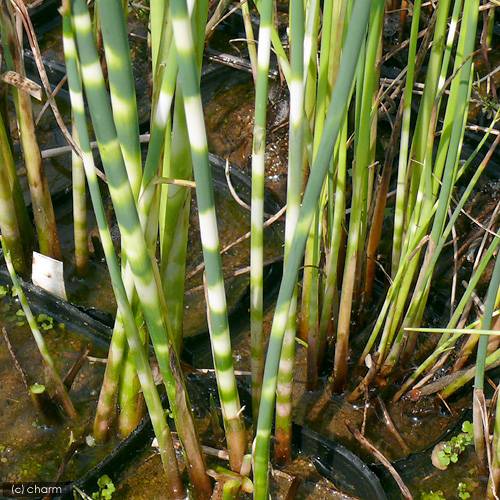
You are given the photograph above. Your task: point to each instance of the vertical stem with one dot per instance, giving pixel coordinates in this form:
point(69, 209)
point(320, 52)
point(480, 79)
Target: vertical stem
point(106, 405)
point(158, 10)
point(421, 143)
point(129, 398)
point(221, 342)
point(333, 123)
point(405, 140)
point(252, 51)
point(257, 204)
point(283, 446)
point(446, 170)
point(478, 270)
point(113, 28)
point(79, 211)
point(494, 478)
point(358, 203)
point(175, 202)
point(174, 486)
point(480, 440)
point(43, 210)
point(122, 89)
point(142, 265)
point(23, 219)
point(332, 257)
point(221, 7)
point(9, 225)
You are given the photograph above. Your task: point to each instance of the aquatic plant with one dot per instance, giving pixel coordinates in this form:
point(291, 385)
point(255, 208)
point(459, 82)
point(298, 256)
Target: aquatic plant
point(43, 212)
point(153, 402)
point(448, 452)
point(258, 342)
point(106, 488)
point(337, 216)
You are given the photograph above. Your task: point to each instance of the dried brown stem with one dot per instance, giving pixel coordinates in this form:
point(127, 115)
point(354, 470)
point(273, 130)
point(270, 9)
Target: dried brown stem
point(368, 446)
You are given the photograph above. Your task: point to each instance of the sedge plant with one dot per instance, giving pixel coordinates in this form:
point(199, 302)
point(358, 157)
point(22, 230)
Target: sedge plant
point(333, 122)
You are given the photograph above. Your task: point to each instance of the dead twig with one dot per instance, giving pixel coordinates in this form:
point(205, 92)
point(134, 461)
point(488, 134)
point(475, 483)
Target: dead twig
point(56, 90)
point(74, 370)
point(368, 446)
point(391, 427)
point(236, 273)
point(13, 356)
point(35, 49)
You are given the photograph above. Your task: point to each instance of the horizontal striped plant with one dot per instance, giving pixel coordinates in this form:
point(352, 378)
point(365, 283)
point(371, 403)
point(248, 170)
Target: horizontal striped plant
point(337, 214)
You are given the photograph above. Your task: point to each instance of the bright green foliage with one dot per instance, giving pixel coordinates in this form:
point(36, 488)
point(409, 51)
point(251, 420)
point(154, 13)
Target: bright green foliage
point(457, 445)
point(37, 388)
point(463, 491)
point(150, 392)
point(20, 314)
point(106, 488)
point(334, 120)
point(45, 322)
point(433, 495)
point(3, 291)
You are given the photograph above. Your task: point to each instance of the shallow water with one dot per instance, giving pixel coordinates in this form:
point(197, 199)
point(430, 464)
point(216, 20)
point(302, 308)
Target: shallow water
point(32, 446)
point(144, 482)
point(229, 122)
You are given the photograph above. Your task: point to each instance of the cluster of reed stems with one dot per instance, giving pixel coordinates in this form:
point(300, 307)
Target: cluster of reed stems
point(337, 200)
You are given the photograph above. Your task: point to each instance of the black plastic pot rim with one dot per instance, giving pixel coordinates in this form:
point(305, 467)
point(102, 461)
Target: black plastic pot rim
point(331, 460)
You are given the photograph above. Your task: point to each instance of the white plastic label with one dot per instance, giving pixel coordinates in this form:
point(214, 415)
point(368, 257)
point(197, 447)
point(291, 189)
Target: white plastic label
point(48, 273)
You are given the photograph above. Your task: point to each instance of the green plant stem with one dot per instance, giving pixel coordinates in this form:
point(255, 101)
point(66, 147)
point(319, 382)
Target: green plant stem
point(494, 478)
point(358, 203)
point(457, 108)
point(106, 405)
point(158, 13)
point(257, 204)
point(9, 224)
point(491, 360)
point(112, 20)
point(142, 265)
point(421, 144)
point(417, 238)
point(283, 445)
point(176, 200)
point(219, 11)
point(277, 46)
point(482, 352)
point(447, 341)
point(333, 123)
point(252, 50)
point(314, 109)
point(336, 193)
point(174, 486)
point(129, 398)
point(8, 165)
point(405, 140)
point(332, 258)
point(221, 343)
